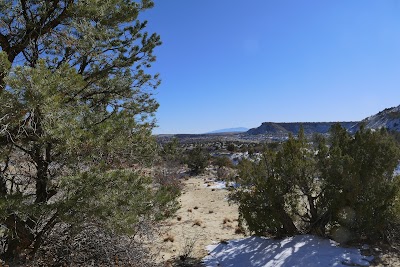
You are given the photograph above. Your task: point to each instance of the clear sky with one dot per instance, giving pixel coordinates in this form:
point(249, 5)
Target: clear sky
point(238, 63)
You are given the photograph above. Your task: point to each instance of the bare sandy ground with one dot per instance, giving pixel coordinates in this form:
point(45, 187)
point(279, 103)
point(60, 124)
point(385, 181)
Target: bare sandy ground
point(205, 217)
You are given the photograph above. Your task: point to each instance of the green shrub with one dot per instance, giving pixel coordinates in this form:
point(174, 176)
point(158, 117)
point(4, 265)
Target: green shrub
point(223, 161)
point(346, 189)
point(197, 160)
point(231, 147)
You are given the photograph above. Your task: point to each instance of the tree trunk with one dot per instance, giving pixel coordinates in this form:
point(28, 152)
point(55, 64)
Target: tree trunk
point(19, 239)
point(3, 187)
point(288, 225)
point(313, 209)
point(41, 177)
point(41, 183)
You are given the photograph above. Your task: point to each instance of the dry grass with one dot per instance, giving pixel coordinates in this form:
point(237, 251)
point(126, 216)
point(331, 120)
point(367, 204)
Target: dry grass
point(212, 209)
point(226, 220)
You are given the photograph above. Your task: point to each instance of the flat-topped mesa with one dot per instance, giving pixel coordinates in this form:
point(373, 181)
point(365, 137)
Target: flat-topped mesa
point(294, 127)
point(388, 118)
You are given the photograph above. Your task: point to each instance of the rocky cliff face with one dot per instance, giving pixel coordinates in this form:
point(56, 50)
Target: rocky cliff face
point(388, 118)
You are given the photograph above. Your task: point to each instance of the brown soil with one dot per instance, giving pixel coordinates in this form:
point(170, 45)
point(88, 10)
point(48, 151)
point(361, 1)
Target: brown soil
point(205, 217)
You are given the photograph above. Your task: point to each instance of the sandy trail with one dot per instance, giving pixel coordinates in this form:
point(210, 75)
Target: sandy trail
point(205, 217)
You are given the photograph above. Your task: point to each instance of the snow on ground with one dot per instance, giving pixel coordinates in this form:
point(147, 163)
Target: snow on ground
point(216, 185)
point(219, 184)
point(301, 250)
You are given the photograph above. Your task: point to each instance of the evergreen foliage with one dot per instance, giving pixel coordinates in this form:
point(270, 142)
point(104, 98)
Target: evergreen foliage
point(346, 189)
point(231, 147)
point(197, 159)
point(222, 161)
point(171, 151)
point(76, 108)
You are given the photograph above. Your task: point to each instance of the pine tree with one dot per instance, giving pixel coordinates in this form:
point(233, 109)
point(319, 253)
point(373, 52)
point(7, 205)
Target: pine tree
point(346, 189)
point(76, 107)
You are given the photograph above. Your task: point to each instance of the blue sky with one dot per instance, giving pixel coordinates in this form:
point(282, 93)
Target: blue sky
point(231, 63)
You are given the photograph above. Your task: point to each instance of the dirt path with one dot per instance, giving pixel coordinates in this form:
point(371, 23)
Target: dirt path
point(205, 217)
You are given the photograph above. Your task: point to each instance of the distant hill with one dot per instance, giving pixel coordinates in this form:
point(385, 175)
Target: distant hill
point(388, 118)
point(230, 130)
point(274, 128)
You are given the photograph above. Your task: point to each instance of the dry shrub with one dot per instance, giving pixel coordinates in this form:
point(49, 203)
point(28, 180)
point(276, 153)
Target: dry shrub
point(91, 246)
point(226, 220)
point(196, 208)
point(169, 238)
point(239, 230)
point(228, 226)
point(179, 218)
point(197, 222)
point(187, 249)
point(210, 211)
point(168, 177)
point(189, 210)
point(223, 173)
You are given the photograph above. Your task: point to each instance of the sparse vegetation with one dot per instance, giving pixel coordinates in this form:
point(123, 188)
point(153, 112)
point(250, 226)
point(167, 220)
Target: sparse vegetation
point(85, 182)
point(187, 250)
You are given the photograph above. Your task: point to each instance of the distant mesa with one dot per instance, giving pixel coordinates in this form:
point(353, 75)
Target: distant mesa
point(230, 130)
point(388, 118)
point(277, 128)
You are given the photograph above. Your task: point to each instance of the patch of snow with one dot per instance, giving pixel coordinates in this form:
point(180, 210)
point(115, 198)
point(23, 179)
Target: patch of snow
point(211, 247)
point(220, 185)
point(397, 170)
point(216, 185)
point(365, 246)
point(301, 250)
